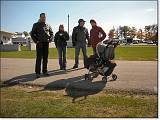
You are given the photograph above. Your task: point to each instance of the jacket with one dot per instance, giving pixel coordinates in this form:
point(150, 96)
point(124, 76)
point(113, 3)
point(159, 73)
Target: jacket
point(41, 32)
point(61, 38)
point(96, 35)
point(79, 34)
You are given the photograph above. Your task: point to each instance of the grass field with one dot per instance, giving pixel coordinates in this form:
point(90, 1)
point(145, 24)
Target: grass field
point(122, 53)
point(17, 102)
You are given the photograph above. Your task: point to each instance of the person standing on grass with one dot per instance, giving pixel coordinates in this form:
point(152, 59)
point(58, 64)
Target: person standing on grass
point(97, 35)
point(41, 34)
point(79, 36)
point(60, 39)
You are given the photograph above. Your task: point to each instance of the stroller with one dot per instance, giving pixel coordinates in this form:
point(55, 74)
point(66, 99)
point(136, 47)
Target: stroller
point(101, 63)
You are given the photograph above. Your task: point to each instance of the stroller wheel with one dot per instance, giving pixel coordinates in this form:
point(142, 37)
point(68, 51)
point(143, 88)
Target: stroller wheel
point(104, 79)
point(88, 77)
point(95, 74)
point(114, 76)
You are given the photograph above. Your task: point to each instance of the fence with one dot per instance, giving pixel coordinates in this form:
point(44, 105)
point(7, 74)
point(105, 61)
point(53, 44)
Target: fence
point(13, 47)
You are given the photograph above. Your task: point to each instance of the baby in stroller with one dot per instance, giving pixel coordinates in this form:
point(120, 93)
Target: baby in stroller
point(101, 63)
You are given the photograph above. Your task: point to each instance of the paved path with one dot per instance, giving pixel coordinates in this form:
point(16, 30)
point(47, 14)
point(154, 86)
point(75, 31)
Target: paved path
point(132, 75)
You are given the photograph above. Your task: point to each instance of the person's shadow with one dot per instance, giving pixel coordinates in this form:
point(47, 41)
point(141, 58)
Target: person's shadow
point(31, 77)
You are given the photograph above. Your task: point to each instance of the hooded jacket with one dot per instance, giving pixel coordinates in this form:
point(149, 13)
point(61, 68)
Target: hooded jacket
point(96, 35)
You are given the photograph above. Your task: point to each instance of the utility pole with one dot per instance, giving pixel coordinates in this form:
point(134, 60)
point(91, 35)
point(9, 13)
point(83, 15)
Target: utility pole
point(68, 23)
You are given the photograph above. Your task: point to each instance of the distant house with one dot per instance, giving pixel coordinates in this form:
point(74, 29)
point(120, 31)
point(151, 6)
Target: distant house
point(19, 34)
point(19, 38)
point(6, 37)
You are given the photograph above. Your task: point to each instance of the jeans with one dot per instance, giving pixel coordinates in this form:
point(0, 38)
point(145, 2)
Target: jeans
point(62, 56)
point(41, 53)
point(84, 51)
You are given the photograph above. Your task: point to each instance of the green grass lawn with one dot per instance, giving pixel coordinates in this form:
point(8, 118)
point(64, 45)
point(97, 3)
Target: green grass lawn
point(16, 102)
point(122, 53)
point(24, 48)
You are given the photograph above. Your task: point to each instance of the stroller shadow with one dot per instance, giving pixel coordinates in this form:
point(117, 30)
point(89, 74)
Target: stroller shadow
point(83, 88)
point(31, 77)
point(76, 87)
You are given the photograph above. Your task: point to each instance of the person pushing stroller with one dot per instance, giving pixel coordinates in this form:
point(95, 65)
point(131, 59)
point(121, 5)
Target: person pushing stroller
point(103, 54)
point(97, 35)
point(101, 63)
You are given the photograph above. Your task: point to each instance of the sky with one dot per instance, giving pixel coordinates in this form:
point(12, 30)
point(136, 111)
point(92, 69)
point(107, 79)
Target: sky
point(19, 16)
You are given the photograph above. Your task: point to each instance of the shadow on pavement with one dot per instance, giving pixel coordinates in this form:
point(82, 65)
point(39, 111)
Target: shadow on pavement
point(31, 77)
point(18, 79)
point(70, 69)
point(61, 84)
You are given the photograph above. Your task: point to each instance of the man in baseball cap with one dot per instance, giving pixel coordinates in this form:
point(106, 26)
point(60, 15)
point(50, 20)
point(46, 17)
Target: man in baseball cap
point(79, 36)
point(81, 20)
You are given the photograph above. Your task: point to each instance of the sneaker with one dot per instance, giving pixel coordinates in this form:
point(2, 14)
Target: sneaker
point(46, 74)
point(61, 68)
point(37, 75)
point(75, 66)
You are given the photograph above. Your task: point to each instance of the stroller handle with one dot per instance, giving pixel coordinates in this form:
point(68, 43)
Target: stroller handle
point(111, 42)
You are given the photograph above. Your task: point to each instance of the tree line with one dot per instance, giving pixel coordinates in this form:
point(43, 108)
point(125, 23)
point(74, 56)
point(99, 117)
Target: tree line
point(150, 32)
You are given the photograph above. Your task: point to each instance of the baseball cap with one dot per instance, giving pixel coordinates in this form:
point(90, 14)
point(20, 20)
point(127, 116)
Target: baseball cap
point(81, 20)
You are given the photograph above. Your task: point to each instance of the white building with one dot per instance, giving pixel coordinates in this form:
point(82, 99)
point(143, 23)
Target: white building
point(6, 37)
point(19, 38)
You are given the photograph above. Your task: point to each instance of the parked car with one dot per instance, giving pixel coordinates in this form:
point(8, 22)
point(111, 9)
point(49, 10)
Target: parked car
point(129, 40)
point(135, 42)
point(150, 42)
point(155, 42)
point(144, 41)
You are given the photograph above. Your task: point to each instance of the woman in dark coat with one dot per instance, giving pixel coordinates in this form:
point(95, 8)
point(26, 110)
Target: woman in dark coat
point(60, 39)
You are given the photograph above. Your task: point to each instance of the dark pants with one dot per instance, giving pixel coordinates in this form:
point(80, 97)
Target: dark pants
point(77, 51)
point(42, 53)
point(62, 56)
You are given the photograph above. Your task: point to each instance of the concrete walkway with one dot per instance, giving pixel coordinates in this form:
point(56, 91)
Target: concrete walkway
point(132, 75)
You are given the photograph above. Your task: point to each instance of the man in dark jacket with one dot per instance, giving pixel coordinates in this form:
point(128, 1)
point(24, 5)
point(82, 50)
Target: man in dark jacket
point(60, 39)
point(97, 35)
point(79, 36)
point(41, 34)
